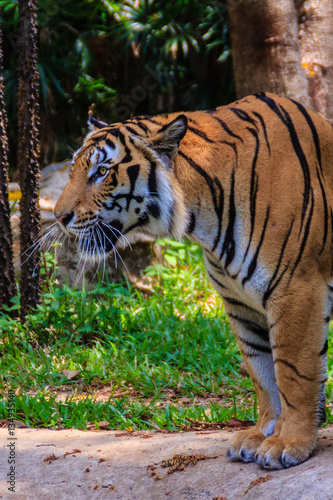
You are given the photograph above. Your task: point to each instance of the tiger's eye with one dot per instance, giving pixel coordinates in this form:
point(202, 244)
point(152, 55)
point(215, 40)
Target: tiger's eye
point(102, 170)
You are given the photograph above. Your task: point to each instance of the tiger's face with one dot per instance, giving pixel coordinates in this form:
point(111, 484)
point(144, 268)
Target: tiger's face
point(122, 180)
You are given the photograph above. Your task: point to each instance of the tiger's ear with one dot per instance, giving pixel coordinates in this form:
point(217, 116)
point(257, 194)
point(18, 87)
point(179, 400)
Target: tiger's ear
point(94, 124)
point(167, 139)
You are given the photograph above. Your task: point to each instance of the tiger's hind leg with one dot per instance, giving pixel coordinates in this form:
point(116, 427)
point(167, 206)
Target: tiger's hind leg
point(299, 343)
point(251, 330)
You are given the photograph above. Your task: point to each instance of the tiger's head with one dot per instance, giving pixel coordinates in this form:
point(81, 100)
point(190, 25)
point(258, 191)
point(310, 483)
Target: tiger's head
point(122, 180)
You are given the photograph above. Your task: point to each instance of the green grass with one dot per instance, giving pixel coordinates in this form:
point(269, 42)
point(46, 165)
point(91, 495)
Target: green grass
point(149, 352)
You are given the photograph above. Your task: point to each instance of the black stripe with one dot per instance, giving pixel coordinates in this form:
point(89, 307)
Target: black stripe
point(286, 400)
point(253, 263)
point(192, 223)
point(218, 207)
point(325, 212)
point(226, 128)
point(130, 129)
point(243, 115)
point(258, 115)
point(235, 302)
point(132, 172)
point(287, 121)
point(253, 189)
point(324, 349)
point(215, 280)
point(272, 285)
point(218, 268)
point(258, 347)
point(200, 133)
point(312, 126)
point(293, 367)
point(154, 209)
point(142, 126)
point(152, 182)
point(229, 242)
point(252, 326)
point(305, 237)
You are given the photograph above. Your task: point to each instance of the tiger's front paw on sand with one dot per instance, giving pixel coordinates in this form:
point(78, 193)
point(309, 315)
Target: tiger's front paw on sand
point(244, 445)
point(276, 453)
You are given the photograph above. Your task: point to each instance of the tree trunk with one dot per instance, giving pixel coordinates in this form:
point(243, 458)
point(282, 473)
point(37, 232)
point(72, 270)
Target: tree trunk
point(265, 48)
point(7, 284)
point(316, 48)
point(28, 154)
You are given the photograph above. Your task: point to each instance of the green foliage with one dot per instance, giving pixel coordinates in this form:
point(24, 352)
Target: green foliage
point(98, 52)
point(174, 340)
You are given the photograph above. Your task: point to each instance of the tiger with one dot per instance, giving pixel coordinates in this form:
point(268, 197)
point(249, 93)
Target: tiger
point(252, 183)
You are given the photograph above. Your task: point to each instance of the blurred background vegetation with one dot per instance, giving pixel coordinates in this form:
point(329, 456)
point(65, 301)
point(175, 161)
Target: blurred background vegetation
point(128, 58)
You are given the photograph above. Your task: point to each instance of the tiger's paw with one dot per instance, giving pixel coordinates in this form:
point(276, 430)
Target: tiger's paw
point(244, 445)
point(277, 453)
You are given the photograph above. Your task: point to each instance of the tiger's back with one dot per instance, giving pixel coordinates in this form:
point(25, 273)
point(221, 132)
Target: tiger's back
point(252, 183)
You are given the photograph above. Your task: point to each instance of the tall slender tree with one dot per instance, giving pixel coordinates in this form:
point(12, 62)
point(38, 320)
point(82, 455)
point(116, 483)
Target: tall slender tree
point(315, 19)
point(265, 48)
point(28, 153)
point(285, 47)
point(7, 284)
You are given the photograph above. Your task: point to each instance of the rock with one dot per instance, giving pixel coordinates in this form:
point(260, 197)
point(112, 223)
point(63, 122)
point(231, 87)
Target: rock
point(53, 179)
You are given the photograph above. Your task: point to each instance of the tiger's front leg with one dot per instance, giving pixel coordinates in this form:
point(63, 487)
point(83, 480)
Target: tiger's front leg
point(252, 334)
point(299, 319)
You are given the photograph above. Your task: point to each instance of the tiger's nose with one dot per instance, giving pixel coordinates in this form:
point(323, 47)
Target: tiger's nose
point(64, 219)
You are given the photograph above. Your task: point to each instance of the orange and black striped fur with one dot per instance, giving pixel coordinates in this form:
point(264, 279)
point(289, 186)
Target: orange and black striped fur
point(252, 182)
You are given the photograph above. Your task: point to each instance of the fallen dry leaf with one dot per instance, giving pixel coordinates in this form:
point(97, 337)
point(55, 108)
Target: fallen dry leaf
point(17, 423)
point(101, 460)
point(70, 374)
point(180, 462)
point(260, 480)
point(51, 458)
point(72, 452)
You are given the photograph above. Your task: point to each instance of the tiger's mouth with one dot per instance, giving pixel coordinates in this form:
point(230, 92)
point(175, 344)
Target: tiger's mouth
point(101, 238)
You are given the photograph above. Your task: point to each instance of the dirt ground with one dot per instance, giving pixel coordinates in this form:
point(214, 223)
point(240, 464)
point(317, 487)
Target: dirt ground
point(116, 465)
